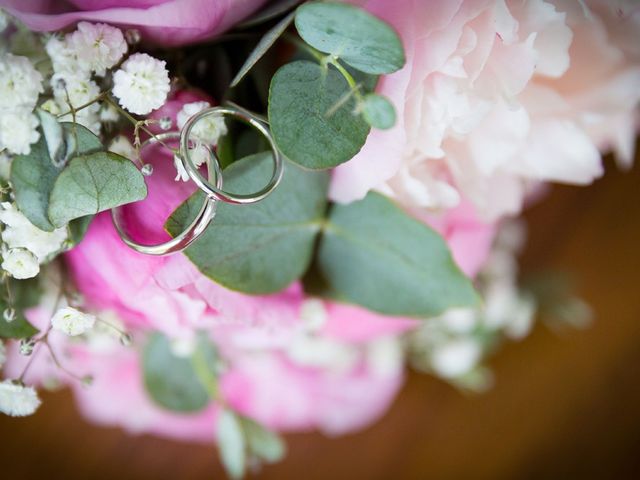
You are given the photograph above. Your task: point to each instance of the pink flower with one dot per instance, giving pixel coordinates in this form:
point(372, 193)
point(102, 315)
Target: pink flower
point(166, 22)
point(497, 96)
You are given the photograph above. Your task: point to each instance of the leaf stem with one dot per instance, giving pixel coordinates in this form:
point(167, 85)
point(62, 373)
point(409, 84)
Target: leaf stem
point(74, 110)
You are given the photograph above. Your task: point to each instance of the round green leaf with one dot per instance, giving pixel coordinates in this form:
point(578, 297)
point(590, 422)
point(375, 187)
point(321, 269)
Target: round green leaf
point(312, 116)
point(259, 248)
point(378, 111)
point(373, 254)
point(94, 183)
point(355, 36)
point(33, 176)
point(171, 381)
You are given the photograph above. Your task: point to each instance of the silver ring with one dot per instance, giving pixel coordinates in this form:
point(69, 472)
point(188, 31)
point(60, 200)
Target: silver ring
point(196, 227)
point(215, 191)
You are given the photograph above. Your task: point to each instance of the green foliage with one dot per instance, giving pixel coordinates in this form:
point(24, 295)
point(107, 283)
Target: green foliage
point(33, 176)
point(266, 42)
point(312, 112)
point(373, 254)
point(68, 175)
point(93, 183)
point(177, 383)
point(378, 111)
point(259, 248)
point(350, 33)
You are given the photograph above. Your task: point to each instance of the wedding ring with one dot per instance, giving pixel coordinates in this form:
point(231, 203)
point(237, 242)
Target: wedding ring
point(195, 228)
point(215, 191)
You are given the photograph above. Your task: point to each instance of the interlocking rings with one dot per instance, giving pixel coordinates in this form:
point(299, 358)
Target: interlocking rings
point(213, 191)
point(196, 227)
point(212, 186)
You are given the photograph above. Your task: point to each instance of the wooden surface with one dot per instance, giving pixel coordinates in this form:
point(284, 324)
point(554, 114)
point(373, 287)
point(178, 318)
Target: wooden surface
point(564, 406)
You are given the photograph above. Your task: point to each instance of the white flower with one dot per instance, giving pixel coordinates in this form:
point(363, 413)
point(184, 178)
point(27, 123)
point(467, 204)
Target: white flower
point(122, 146)
point(455, 358)
point(98, 45)
point(313, 314)
point(18, 130)
point(20, 82)
point(3, 354)
point(20, 263)
point(17, 400)
point(19, 232)
point(72, 322)
point(385, 357)
point(75, 89)
point(109, 113)
point(142, 84)
point(207, 130)
point(321, 352)
point(63, 57)
point(182, 172)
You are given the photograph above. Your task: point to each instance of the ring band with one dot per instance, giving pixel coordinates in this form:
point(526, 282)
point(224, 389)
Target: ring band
point(196, 227)
point(215, 191)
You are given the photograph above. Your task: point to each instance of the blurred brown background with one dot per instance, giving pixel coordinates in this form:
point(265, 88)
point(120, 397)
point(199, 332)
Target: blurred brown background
point(564, 406)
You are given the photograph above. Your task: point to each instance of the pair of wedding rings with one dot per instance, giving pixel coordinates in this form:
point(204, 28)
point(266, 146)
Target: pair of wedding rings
point(211, 186)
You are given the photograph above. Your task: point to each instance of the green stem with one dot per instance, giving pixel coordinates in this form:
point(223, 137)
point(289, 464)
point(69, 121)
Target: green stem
point(325, 60)
point(206, 378)
point(74, 110)
point(137, 123)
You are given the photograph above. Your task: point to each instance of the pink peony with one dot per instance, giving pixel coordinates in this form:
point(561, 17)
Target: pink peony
point(166, 22)
point(497, 96)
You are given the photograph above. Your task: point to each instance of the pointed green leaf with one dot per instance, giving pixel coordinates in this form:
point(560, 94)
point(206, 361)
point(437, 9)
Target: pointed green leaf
point(259, 248)
point(372, 253)
point(263, 46)
point(94, 183)
point(312, 116)
point(265, 444)
point(231, 443)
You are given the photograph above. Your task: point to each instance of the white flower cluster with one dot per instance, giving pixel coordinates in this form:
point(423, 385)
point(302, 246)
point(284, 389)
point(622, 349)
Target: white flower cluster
point(24, 245)
point(453, 345)
point(91, 49)
point(142, 84)
point(20, 87)
point(72, 322)
point(17, 400)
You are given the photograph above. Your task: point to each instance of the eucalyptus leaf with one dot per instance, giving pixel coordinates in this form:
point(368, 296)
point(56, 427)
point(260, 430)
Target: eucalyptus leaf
point(269, 12)
point(18, 328)
point(352, 34)
point(94, 183)
point(231, 443)
point(263, 443)
point(33, 176)
point(172, 382)
point(378, 111)
point(53, 135)
point(78, 228)
point(259, 248)
point(312, 116)
point(373, 254)
point(265, 43)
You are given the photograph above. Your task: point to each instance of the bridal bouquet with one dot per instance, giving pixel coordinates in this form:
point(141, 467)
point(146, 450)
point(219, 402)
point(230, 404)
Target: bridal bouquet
point(223, 220)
